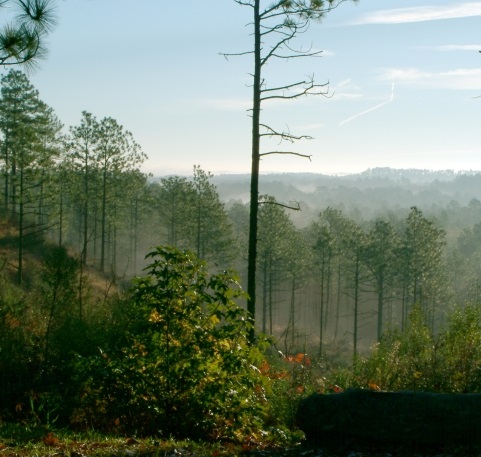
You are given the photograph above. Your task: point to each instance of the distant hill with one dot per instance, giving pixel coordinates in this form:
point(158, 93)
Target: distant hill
point(366, 195)
point(413, 175)
point(382, 176)
point(369, 193)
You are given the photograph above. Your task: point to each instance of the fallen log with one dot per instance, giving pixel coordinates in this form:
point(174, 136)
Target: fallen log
point(408, 418)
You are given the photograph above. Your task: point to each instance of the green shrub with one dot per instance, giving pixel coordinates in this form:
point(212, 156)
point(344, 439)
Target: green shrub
point(458, 367)
point(19, 355)
point(290, 382)
point(185, 367)
point(401, 360)
point(415, 359)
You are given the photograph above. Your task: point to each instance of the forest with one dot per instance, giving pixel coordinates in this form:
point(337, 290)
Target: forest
point(122, 306)
point(240, 314)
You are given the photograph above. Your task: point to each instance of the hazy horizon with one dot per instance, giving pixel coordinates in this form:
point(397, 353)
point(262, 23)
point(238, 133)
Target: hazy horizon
point(161, 172)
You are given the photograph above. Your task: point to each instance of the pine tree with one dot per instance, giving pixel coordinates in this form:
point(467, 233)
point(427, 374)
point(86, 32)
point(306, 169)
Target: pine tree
point(29, 129)
point(19, 113)
point(82, 143)
point(423, 273)
point(116, 153)
point(193, 218)
point(211, 232)
point(173, 200)
point(276, 231)
point(22, 38)
point(275, 27)
point(380, 257)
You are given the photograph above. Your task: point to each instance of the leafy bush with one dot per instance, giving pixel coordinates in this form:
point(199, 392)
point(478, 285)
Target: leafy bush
point(458, 367)
point(401, 360)
point(291, 379)
point(19, 360)
point(185, 367)
point(415, 359)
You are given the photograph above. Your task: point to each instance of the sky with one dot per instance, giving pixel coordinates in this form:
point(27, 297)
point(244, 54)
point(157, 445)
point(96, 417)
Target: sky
point(403, 79)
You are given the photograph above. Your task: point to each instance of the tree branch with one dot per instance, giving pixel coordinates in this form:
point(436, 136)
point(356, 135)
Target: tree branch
point(271, 29)
point(286, 136)
point(298, 154)
point(271, 8)
point(298, 53)
point(286, 87)
point(240, 2)
point(295, 56)
point(277, 46)
point(235, 54)
point(298, 8)
point(297, 206)
point(307, 90)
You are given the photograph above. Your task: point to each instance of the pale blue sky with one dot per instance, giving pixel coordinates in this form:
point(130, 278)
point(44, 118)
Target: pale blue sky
point(404, 75)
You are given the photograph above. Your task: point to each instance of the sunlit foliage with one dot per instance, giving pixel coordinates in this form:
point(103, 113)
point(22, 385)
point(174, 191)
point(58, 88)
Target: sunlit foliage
point(184, 367)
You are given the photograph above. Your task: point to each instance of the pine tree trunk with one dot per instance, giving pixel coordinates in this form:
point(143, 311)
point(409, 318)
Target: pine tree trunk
point(254, 186)
point(20, 231)
point(356, 306)
point(104, 220)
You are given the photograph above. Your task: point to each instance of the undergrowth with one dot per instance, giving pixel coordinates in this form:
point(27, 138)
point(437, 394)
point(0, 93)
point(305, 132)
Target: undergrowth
point(170, 359)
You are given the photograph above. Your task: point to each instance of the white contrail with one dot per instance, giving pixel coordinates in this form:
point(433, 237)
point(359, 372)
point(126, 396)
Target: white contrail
point(362, 113)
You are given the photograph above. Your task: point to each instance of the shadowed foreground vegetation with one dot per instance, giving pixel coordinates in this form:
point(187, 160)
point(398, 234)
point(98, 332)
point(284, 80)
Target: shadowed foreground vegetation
point(169, 359)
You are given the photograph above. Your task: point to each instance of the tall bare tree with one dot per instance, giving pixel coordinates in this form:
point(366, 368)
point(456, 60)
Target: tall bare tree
point(275, 27)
